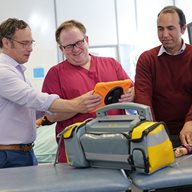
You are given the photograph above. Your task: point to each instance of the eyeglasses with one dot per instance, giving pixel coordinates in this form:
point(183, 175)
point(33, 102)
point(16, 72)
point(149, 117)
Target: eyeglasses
point(78, 44)
point(25, 44)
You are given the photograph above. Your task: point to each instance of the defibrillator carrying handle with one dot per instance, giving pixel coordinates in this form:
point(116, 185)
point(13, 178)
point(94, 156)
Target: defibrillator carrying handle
point(142, 110)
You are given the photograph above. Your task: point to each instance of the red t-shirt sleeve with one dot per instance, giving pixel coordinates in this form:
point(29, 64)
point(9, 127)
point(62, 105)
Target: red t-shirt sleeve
point(51, 82)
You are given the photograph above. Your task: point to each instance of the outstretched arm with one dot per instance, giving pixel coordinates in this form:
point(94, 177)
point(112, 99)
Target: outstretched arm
point(68, 108)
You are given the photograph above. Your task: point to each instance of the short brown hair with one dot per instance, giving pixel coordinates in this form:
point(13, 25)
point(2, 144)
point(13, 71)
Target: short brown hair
point(9, 27)
point(69, 24)
point(173, 9)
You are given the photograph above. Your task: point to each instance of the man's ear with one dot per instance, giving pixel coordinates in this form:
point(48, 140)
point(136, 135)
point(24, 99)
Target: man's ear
point(183, 29)
point(61, 48)
point(6, 42)
point(87, 39)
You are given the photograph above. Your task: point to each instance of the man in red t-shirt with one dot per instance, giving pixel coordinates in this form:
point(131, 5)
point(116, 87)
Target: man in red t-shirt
point(164, 77)
point(78, 74)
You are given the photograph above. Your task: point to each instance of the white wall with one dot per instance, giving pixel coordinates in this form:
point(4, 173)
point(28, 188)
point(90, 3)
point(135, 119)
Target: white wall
point(98, 16)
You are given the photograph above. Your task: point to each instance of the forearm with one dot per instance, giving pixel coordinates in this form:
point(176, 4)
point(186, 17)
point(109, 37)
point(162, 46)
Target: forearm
point(63, 106)
point(82, 104)
point(60, 116)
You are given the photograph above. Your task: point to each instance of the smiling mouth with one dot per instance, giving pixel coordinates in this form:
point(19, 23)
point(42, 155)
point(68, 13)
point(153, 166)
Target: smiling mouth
point(77, 54)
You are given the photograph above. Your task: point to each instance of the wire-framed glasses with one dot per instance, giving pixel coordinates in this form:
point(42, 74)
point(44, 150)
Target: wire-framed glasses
point(25, 44)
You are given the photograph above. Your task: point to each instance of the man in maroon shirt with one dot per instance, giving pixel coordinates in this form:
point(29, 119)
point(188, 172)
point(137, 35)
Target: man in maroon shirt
point(78, 74)
point(164, 77)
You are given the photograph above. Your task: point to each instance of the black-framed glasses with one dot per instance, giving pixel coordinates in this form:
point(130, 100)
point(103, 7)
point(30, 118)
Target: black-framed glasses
point(25, 44)
point(78, 44)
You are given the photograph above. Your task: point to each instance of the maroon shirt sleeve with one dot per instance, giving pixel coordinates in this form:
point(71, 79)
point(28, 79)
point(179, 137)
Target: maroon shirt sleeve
point(143, 82)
